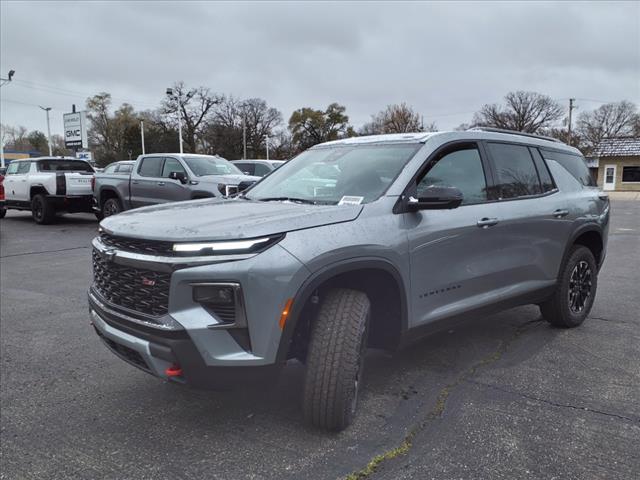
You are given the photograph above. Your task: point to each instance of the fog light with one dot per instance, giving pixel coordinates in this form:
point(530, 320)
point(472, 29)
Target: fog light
point(214, 294)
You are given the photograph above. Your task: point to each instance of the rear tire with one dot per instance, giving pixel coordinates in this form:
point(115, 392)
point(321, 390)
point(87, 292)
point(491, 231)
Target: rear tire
point(335, 359)
point(42, 210)
point(111, 207)
point(3, 212)
point(575, 293)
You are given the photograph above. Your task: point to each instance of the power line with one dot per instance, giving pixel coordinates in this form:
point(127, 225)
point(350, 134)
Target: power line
point(76, 94)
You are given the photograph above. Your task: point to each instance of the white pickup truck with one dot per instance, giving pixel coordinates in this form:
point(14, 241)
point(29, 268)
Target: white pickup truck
point(49, 185)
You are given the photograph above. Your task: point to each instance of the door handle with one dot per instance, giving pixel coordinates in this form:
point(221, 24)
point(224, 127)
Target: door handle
point(161, 184)
point(560, 213)
point(487, 222)
point(135, 182)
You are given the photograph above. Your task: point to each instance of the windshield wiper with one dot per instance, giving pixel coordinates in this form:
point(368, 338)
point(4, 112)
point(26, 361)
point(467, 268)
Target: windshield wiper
point(283, 199)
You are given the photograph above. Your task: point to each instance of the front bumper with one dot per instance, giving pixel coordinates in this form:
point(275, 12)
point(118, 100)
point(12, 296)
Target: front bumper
point(211, 354)
point(155, 351)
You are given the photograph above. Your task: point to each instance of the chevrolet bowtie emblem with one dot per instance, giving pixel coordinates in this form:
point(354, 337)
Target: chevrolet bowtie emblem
point(109, 255)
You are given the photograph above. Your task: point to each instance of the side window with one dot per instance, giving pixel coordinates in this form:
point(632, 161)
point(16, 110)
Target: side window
point(247, 168)
point(151, 166)
point(110, 168)
point(171, 165)
point(461, 169)
point(12, 169)
point(24, 167)
point(543, 171)
point(125, 168)
point(261, 170)
point(574, 164)
point(516, 174)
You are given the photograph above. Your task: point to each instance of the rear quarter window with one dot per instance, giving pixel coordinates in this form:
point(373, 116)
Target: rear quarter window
point(574, 164)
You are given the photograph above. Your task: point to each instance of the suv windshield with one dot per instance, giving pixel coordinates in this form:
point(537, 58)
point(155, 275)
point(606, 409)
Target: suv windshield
point(64, 166)
point(327, 175)
point(211, 166)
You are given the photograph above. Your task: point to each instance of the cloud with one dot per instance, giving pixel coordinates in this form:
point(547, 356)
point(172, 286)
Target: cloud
point(445, 59)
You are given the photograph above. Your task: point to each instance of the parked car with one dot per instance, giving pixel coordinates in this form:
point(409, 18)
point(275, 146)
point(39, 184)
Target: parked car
point(417, 232)
point(166, 177)
point(123, 167)
point(3, 208)
point(259, 168)
point(49, 185)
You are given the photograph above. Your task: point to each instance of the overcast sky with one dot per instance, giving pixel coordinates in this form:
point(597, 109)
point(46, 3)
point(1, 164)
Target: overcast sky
point(445, 59)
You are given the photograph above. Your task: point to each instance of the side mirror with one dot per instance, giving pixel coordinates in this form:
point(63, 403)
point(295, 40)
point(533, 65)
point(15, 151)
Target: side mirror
point(181, 176)
point(245, 184)
point(436, 198)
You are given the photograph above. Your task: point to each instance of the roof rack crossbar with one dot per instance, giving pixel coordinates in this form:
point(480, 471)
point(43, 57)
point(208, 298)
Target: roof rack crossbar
point(513, 132)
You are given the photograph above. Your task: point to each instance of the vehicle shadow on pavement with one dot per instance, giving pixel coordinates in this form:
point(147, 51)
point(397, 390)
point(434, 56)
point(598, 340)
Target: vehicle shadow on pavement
point(398, 387)
point(69, 219)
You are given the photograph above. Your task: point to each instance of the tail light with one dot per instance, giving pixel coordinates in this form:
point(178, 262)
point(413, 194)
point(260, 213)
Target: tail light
point(1, 190)
point(93, 184)
point(61, 184)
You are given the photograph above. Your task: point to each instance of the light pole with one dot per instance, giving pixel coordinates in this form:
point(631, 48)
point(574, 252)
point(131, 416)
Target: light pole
point(170, 94)
point(142, 134)
point(48, 109)
point(3, 82)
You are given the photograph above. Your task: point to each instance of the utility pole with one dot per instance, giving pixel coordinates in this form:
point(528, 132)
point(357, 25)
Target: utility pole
point(571, 107)
point(244, 138)
point(142, 134)
point(47, 110)
point(3, 82)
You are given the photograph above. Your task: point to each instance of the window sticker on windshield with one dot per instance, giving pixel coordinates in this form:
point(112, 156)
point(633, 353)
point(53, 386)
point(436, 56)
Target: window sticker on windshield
point(347, 200)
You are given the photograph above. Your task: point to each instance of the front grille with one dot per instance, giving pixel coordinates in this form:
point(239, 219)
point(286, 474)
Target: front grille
point(136, 245)
point(144, 291)
point(125, 352)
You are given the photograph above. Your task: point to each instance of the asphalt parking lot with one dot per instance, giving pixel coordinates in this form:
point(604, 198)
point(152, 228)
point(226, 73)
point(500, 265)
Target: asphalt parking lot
point(501, 397)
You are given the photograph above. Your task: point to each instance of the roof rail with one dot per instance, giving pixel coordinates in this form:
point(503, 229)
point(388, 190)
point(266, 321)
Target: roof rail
point(513, 132)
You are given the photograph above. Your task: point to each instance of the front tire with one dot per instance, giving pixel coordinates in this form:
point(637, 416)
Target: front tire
point(575, 293)
point(111, 207)
point(42, 210)
point(335, 359)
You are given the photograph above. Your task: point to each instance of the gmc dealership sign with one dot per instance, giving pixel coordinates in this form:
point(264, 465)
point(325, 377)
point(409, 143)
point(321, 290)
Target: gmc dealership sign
point(75, 130)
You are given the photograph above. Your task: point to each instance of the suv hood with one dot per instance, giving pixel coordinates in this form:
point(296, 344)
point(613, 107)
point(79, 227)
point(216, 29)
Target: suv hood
point(228, 179)
point(224, 219)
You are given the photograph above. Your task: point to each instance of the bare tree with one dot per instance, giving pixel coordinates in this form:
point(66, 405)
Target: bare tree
point(194, 106)
point(398, 118)
point(260, 121)
point(609, 120)
point(528, 112)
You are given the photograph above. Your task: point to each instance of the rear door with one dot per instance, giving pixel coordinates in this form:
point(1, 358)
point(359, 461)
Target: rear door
point(533, 217)
point(21, 181)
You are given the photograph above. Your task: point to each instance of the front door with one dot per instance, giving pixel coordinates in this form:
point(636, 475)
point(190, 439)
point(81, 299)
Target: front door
point(173, 190)
point(454, 253)
point(609, 177)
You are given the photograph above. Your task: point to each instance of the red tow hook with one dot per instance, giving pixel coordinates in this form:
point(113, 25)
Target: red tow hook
point(173, 371)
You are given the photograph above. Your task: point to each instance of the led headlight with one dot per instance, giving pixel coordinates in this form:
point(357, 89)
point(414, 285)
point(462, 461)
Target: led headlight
point(225, 247)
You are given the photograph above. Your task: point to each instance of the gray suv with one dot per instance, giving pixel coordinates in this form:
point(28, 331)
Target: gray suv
point(413, 233)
